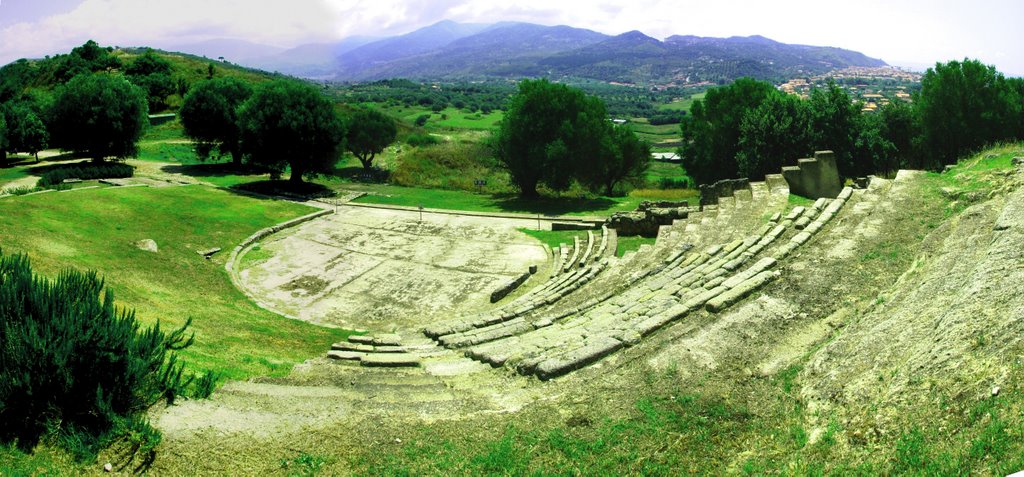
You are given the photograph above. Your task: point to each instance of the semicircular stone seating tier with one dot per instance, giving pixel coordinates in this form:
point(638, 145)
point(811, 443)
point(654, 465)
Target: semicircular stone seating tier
point(594, 305)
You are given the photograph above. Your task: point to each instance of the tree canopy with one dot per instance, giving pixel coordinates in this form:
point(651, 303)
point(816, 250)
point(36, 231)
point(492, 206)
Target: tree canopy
point(153, 74)
point(290, 123)
point(550, 134)
point(624, 158)
point(369, 132)
point(711, 132)
point(100, 116)
point(773, 134)
point(3, 138)
point(964, 105)
point(209, 116)
point(26, 131)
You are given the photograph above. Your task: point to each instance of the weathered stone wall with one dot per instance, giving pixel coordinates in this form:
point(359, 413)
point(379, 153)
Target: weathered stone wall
point(648, 216)
point(814, 178)
point(709, 193)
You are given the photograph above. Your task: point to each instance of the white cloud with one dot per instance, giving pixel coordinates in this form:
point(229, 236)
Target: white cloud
point(135, 22)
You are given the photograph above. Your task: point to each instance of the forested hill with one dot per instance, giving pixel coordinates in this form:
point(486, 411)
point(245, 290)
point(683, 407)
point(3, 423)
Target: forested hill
point(450, 51)
point(165, 76)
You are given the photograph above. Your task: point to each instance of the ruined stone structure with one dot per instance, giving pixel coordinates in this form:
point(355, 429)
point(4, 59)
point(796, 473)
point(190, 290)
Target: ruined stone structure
point(814, 178)
point(710, 193)
point(648, 216)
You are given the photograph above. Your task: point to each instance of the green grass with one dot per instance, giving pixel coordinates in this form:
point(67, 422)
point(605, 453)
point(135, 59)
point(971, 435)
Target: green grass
point(657, 134)
point(554, 238)
point(628, 244)
point(468, 201)
point(97, 229)
point(681, 105)
point(456, 118)
point(799, 201)
point(660, 171)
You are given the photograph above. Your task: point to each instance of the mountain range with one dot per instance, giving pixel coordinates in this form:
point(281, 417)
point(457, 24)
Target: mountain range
point(458, 51)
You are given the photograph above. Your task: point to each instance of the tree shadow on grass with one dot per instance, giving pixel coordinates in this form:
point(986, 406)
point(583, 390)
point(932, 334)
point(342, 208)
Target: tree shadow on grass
point(213, 169)
point(278, 188)
point(23, 160)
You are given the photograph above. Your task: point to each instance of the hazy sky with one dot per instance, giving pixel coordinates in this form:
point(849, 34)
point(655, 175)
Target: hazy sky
point(908, 32)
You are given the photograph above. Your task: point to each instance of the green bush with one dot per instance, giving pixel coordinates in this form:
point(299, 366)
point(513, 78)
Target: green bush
point(55, 177)
point(417, 140)
point(76, 368)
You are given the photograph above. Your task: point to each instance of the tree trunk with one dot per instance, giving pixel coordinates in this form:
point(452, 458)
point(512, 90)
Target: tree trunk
point(3, 155)
point(367, 161)
point(236, 159)
point(528, 191)
point(296, 177)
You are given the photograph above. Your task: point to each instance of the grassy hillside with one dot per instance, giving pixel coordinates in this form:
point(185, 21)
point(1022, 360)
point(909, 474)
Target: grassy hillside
point(97, 230)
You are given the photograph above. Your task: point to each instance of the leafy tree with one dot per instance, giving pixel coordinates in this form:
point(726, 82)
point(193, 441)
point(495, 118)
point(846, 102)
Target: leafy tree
point(100, 116)
point(873, 151)
point(901, 129)
point(152, 73)
point(624, 158)
point(550, 134)
point(3, 139)
point(209, 115)
point(774, 134)
point(88, 58)
point(711, 132)
point(287, 122)
point(834, 121)
point(369, 132)
point(73, 364)
point(964, 106)
point(27, 133)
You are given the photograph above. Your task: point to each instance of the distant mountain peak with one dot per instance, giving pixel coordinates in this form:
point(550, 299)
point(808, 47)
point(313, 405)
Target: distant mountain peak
point(449, 50)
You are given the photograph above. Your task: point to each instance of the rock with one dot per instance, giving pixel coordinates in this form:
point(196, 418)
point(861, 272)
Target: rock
point(995, 391)
point(108, 467)
point(208, 252)
point(387, 340)
point(147, 245)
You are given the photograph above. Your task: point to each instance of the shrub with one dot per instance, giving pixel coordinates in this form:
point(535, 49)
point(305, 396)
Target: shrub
point(75, 367)
point(451, 166)
point(417, 139)
point(55, 177)
point(421, 120)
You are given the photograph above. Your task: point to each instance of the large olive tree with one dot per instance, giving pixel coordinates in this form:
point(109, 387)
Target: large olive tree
point(286, 122)
point(209, 115)
point(100, 116)
point(550, 134)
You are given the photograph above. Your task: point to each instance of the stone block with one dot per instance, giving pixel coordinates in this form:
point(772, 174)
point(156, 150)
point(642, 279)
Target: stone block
point(345, 355)
point(814, 178)
point(741, 291)
point(796, 212)
point(348, 346)
point(396, 360)
point(365, 339)
point(387, 340)
point(593, 349)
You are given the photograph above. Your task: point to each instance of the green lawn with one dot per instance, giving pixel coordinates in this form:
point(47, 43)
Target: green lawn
point(97, 229)
point(554, 238)
point(681, 105)
point(460, 200)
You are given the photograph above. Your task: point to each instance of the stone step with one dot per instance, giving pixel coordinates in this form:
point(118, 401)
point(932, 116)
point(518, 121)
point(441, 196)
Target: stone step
point(390, 360)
